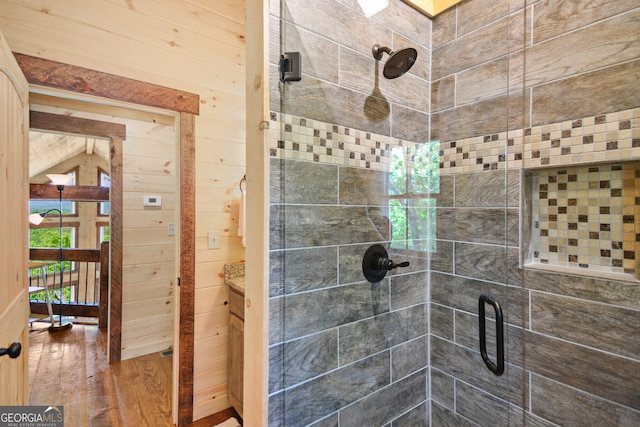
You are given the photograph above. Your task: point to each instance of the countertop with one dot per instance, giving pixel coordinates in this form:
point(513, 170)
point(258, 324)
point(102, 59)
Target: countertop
point(234, 276)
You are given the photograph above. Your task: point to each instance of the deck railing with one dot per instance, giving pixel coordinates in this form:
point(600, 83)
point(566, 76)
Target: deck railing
point(84, 277)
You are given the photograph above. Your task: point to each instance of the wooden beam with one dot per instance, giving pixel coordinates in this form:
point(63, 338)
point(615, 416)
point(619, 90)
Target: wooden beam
point(74, 193)
point(76, 125)
point(431, 8)
point(115, 275)
point(44, 72)
point(81, 310)
point(103, 312)
point(51, 254)
point(187, 268)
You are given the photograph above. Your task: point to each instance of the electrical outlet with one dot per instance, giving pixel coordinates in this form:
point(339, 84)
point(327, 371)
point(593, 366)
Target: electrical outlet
point(171, 229)
point(213, 240)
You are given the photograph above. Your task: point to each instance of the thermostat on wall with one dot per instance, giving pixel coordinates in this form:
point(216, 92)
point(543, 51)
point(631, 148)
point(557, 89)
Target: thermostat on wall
point(152, 200)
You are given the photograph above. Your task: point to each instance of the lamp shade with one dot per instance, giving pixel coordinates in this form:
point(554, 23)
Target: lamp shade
point(36, 218)
point(371, 7)
point(59, 178)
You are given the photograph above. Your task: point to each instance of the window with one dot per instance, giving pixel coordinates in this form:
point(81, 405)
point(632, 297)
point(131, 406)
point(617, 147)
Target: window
point(414, 180)
point(104, 180)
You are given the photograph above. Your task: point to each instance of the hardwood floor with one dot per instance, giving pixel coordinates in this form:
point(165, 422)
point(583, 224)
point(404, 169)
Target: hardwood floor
point(70, 368)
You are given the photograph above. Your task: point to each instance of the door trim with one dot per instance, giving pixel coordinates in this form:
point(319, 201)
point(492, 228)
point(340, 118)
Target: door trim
point(52, 74)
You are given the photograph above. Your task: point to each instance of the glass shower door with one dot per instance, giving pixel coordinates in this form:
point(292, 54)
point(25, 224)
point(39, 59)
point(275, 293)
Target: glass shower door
point(359, 160)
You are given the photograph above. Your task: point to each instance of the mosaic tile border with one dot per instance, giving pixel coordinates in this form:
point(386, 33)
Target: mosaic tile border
point(602, 138)
point(297, 138)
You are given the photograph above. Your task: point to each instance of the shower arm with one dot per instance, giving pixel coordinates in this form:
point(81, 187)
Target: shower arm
point(378, 50)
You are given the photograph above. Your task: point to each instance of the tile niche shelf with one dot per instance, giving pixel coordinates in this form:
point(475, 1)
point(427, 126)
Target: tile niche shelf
point(582, 219)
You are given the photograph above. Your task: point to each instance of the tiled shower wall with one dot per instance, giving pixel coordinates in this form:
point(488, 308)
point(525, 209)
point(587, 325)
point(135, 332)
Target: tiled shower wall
point(498, 67)
point(518, 87)
point(343, 350)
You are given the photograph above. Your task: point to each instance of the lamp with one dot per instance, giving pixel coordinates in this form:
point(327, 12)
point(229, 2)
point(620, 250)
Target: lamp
point(371, 7)
point(59, 180)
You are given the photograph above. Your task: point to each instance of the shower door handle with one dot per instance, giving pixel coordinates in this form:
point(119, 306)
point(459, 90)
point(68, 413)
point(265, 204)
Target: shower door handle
point(498, 368)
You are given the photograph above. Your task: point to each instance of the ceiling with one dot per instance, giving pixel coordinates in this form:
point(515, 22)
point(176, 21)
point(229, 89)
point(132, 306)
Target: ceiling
point(49, 149)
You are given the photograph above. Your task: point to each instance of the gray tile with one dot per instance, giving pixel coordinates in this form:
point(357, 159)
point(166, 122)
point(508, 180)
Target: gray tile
point(409, 124)
point(608, 376)
point(441, 321)
point(386, 404)
point(443, 388)
point(442, 258)
point(600, 326)
point(443, 417)
point(624, 294)
point(276, 320)
point(478, 225)
point(567, 406)
point(409, 357)
point(474, 15)
point(330, 421)
point(363, 187)
point(309, 357)
point(276, 368)
point(308, 226)
point(599, 92)
point(444, 27)
point(467, 365)
point(303, 182)
point(462, 293)
point(417, 417)
point(467, 334)
point(322, 396)
point(471, 49)
point(555, 59)
point(482, 408)
point(553, 18)
point(338, 23)
point(409, 289)
point(483, 189)
point(323, 309)
point(443, 94)
point(486, 262)
point(276, 409)
point(301, 270)
point(369, 336)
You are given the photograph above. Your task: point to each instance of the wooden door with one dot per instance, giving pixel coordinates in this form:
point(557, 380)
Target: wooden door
point(14, 172)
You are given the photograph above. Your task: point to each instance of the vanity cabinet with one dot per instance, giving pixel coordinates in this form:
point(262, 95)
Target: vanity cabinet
point(236, 343)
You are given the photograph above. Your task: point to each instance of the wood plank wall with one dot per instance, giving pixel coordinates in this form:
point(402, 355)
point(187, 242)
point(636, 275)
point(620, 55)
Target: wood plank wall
point(196, 46)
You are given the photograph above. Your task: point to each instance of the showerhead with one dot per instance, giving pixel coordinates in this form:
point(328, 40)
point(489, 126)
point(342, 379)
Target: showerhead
point(398, 63)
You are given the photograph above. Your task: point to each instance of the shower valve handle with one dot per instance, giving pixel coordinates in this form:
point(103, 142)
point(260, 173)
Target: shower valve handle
point(387, 264)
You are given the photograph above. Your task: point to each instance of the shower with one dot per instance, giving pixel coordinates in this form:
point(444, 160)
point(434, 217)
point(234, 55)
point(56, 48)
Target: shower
point(398, 63)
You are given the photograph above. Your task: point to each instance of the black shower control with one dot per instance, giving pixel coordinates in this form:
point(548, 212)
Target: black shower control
point(290, 67)
point(376, 263)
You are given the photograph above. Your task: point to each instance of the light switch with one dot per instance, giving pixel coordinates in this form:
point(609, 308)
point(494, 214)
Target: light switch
point(213, 239)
